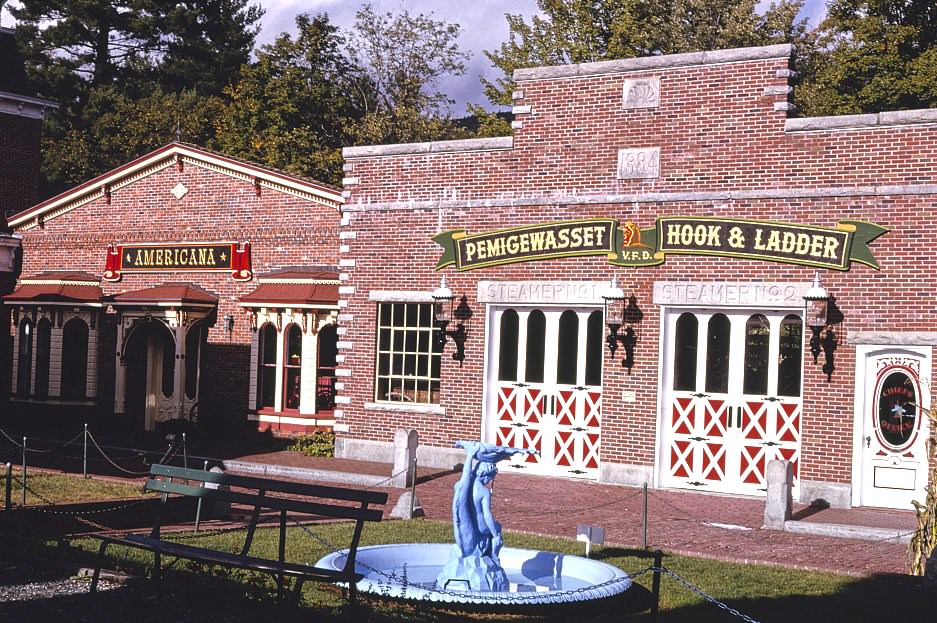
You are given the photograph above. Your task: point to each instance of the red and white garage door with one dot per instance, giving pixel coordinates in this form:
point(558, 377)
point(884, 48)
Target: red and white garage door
point(544, 387)
point(732, 398)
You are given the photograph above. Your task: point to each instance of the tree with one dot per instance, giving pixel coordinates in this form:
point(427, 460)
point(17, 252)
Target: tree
point(115, 128)
point(400, 63)
point(291, 110)
point(203, 44)
point(144, 58)
point(578, 31)
point(871, 55)
point(71, 47)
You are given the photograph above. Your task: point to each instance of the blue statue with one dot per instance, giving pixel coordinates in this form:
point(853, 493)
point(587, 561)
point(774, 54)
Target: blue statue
point(474, 563)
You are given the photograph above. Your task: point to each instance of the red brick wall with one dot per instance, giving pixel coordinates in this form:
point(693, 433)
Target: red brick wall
point(718, 133)
point(19, 162)
point(283, 231)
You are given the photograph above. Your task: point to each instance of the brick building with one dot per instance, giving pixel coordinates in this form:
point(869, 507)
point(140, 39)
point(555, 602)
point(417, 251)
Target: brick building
point(659, 278)
point(181, 286)
point(20, 125)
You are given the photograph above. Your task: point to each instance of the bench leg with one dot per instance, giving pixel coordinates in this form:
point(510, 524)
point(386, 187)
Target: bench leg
point(97, 568)
point(298, 590)
point(157, 567)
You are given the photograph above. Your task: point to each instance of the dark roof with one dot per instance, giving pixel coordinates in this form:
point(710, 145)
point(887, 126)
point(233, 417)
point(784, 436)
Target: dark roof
point(165, 294)
point(297, 294)
point(57, 287)
point(307, 287)
point(13, 76)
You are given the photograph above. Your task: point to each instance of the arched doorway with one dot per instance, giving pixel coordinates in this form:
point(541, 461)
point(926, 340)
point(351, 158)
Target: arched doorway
point(149, 368)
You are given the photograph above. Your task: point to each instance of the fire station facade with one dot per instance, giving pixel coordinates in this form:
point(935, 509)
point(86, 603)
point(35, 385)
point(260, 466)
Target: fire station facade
point(658, 278)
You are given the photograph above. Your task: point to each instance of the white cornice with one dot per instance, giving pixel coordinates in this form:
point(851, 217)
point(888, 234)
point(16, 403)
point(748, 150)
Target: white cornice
point(23, 105)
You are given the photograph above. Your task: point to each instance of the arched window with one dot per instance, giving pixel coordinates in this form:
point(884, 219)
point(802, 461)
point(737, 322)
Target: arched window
point(536, 344)
point(507, 362)
point(685, 352)
point(717, 354)
point(567, 356)
point(24, 358)
point(267, 366)
point(757, 338)
point(790, 356)
point(169, 364)
point(43, 353)
point(292, 364)
point(194, 339)
point(74, 359)
point(594, 339)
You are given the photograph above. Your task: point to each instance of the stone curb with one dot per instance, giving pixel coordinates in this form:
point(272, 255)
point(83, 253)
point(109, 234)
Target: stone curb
point(305, 473)
point(844, 531)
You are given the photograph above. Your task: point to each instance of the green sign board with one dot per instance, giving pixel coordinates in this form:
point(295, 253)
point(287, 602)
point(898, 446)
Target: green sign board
point(625, 244)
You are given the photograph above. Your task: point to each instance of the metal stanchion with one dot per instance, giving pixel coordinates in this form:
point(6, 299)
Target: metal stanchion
point(8, 501)
point(24, 471)
point(655, 585)
point(185, 455)
point(84, 467)
point(198, 507)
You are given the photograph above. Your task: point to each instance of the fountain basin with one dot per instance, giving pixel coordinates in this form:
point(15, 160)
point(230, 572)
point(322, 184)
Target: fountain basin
point(409, 571)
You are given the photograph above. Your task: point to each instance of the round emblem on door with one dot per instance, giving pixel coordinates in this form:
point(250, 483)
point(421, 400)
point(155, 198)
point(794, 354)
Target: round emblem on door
point(897, 409)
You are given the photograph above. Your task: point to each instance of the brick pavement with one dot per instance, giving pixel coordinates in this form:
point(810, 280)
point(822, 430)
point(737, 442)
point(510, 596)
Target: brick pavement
point(713, 526)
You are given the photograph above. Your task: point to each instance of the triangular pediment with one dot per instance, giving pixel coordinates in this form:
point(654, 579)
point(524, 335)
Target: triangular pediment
point(178, 155)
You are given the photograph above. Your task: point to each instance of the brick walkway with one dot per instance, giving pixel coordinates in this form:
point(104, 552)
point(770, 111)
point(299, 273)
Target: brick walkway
point(714, 526)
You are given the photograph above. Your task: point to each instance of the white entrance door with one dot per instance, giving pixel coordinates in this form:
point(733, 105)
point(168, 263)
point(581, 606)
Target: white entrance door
point(544, 388)
point(893, 430)
point(732, 398)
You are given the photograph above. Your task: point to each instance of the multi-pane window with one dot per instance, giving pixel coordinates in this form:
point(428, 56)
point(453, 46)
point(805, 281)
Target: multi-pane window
point(293, 366)
point(408, 354)
point(790, 356)
point(267, 367)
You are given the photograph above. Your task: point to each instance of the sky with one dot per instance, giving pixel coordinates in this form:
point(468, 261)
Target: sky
point(483, 28)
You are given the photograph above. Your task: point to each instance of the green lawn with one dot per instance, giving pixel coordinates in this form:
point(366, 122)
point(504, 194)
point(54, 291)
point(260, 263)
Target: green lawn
point(47, 487)
point(762, 593)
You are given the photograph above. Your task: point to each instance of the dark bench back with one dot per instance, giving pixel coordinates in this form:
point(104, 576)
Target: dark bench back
point(282, 495)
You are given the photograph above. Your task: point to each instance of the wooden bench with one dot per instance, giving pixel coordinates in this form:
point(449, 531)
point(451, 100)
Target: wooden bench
point(261, 495)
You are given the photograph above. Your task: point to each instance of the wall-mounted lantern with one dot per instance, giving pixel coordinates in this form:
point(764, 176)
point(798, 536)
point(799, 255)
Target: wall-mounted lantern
point(621, 317)
point(444, 314)
point(817, 316)
point(228, 321)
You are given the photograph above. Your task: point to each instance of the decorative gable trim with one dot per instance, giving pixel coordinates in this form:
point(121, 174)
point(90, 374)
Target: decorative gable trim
point(174, 154)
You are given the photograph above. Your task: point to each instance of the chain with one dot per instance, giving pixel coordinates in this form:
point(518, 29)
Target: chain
point(113, 464)
point(567, 512)
point(381, 484)
point(77, 515)
point(705, 596)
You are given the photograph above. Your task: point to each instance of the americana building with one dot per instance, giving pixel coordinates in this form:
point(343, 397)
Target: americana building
point(183, 287)
point(661, 277)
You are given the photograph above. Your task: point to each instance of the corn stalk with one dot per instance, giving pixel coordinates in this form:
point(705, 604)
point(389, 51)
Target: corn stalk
point(924, 539)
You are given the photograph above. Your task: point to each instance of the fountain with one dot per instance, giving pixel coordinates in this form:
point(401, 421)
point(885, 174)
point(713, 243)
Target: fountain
point(477, 569)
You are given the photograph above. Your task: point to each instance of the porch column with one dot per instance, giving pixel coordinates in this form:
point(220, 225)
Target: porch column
point(179, 366)
point(120, 371)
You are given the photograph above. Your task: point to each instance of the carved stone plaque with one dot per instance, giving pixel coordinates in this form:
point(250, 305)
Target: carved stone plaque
point(641, 93)
point(638, 163)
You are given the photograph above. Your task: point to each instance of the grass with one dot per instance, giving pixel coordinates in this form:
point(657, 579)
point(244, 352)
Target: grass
point(763, 593)
point(46, 488)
